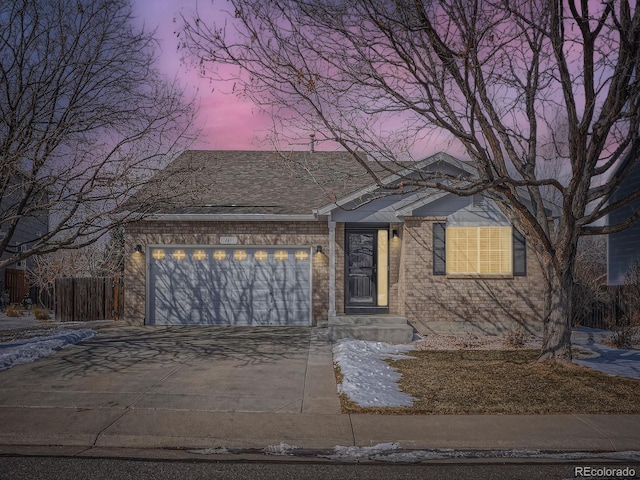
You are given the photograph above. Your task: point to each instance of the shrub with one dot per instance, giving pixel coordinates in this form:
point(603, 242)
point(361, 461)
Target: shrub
point(515, 338)
point(41, 313)
point(13, 310)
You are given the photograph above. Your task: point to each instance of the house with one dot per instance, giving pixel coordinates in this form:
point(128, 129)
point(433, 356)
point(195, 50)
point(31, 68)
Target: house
point(623, 248)
point(14, 283)
point(252, 238)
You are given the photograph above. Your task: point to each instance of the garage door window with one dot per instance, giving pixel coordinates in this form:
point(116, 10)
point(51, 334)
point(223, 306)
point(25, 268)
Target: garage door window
point(220, 255)
point(261, 255)
point(199, 255)
point(240, 255)
point(158, 254)
point(179, 255)
point(302, 255)
point(281, 255)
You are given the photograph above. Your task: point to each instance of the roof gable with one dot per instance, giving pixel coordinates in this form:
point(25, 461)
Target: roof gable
point(439, 162)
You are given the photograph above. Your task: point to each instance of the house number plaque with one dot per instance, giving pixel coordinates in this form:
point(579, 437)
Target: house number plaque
point(228, 240)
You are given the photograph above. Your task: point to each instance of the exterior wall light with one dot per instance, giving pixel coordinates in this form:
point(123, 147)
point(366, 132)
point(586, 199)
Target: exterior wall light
point(319, 249)
point(138, 249)
point(395, 234)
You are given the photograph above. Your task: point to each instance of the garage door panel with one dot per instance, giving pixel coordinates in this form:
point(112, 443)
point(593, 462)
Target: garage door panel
point(259, 288)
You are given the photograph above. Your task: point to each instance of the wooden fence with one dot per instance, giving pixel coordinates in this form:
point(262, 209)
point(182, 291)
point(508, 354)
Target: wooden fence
point(17, 284)
point(83, 299)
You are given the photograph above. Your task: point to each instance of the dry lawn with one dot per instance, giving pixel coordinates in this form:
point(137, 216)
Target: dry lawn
point(504, 382)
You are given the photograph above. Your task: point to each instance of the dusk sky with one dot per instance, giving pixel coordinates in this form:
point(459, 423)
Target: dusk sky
point(226, 122)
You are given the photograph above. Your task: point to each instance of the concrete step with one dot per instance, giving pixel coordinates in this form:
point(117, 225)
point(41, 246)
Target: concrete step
point(377, 328)
point(374, 333)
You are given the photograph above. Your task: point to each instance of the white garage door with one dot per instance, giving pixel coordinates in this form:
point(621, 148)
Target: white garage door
point(236, 285)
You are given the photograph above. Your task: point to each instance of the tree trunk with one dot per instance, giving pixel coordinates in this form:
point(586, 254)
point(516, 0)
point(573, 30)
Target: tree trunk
point(556, 340)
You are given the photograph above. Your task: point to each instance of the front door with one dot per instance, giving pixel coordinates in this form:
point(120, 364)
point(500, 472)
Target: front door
point(361, 272)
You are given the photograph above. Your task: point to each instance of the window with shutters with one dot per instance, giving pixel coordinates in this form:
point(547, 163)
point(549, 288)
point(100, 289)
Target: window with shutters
point(484, 251)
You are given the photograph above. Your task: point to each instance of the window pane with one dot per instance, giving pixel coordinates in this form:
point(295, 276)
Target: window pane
point(199, 255)
point(383, 267)
point(240, 255)
point(281, 255)
point(302, 255)
point(261, 255)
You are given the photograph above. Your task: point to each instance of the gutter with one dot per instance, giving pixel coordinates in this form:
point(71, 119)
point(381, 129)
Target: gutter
point(231, 217)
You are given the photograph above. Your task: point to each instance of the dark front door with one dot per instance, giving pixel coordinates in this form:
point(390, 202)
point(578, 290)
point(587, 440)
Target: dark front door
point(360, 270)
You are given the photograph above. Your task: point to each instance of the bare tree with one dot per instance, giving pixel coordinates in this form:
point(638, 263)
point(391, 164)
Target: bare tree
point(490, 75)
point(85, 118)
point(100, 259)
point(589, 298)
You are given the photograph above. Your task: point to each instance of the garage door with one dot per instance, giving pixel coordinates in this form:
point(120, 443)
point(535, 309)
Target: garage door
point(229, 286)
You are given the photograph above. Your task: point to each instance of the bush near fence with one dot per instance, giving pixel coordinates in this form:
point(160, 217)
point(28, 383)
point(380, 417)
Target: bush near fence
point(85, 299)
point(605, 307)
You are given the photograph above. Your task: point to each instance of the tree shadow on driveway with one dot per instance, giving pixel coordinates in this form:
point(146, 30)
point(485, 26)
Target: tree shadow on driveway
point(140, 348)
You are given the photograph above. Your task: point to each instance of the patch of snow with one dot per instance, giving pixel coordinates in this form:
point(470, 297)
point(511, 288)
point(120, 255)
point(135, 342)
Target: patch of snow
point(368, 380)
point(210, 451)
point(282, 449)
point(31, 349)
point(606, 359)
point(357, 453)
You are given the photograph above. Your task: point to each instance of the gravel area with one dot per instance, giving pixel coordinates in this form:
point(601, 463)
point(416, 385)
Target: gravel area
point(469, 341)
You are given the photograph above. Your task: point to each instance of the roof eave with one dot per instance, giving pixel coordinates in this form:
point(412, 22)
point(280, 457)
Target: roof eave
point(440, 156)
point(230, 217)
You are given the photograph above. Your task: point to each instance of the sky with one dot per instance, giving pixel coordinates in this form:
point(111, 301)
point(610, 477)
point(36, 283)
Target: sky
point(226, 122)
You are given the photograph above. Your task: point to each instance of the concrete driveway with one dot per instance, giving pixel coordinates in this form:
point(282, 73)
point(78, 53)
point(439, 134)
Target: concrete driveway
point(280, 370)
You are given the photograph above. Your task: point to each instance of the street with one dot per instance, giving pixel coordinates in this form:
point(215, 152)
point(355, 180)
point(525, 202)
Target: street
point(60, 468)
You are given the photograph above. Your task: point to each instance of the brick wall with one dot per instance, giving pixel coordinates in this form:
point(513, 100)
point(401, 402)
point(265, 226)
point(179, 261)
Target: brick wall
point(395, 251)
point(438, 304)
point(208, 233)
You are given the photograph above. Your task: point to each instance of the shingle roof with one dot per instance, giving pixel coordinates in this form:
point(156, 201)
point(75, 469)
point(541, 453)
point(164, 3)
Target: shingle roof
point(237, 181)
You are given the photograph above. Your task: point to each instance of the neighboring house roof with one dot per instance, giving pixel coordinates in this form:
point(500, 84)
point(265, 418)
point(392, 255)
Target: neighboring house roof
point(231, 182)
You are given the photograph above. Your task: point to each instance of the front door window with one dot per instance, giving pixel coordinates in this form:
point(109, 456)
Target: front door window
point(361, 268)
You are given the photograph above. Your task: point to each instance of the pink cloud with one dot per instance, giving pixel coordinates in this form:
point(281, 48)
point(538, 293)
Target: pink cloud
point(225, 121)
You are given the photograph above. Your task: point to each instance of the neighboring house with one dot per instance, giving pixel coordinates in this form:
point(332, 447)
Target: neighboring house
point(14, 284)
point(623, 248)
point(246, 238)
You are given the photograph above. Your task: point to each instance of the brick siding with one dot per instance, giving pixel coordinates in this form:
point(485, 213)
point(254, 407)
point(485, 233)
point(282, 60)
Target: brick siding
point(208, 233)
point(439, 304)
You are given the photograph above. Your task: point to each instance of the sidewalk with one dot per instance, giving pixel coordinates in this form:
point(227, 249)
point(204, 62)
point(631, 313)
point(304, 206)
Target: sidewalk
point(172, 429)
